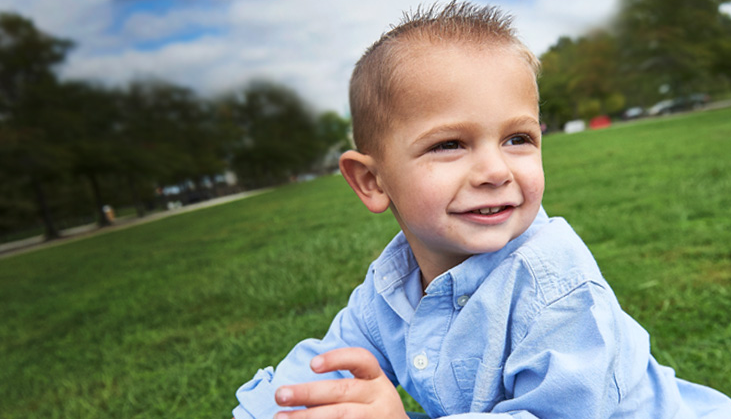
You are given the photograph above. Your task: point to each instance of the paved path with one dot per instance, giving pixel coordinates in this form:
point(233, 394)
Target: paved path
point(89, 230)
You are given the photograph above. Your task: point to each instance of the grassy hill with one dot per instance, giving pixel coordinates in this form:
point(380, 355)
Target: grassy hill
point(167, 319)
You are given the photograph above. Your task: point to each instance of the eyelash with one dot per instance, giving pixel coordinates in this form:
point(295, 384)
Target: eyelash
point(446, 146)
point(525, 137)
point(450, 145)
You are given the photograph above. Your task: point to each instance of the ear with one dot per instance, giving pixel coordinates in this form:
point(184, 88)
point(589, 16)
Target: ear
point(359, 170)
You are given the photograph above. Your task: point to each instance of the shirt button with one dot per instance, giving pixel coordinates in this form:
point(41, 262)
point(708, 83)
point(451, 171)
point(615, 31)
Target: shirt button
point(420, 361)
point(461, 301)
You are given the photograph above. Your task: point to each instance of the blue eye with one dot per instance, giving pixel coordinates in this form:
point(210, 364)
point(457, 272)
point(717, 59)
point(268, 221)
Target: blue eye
point(446, 146)
point(518, 140)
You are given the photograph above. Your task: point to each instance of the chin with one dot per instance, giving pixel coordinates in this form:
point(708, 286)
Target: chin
point(485, 248)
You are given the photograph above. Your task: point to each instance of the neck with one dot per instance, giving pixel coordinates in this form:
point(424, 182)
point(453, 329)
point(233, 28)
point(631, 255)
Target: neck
point(432, 266)
point(431, 262)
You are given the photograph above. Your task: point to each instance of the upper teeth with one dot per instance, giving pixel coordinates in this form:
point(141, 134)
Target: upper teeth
point(492, 210)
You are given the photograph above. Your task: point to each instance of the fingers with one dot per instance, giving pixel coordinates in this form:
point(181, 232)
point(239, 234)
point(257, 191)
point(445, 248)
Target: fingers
point(361, 389)
point(361, 363)
point(325, 392)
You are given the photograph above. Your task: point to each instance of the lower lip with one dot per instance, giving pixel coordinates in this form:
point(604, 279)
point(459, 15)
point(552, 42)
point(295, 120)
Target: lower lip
point(488, 219)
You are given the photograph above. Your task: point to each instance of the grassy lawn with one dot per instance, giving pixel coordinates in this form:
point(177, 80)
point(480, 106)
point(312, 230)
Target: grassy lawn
point(167, 319)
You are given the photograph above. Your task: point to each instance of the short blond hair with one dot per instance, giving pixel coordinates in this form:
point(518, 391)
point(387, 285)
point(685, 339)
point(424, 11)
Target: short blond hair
point(375, 80)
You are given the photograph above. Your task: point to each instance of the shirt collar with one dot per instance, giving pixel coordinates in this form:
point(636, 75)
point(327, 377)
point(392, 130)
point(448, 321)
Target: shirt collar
point(391, 271)
point(469, 275)
point(397, 264)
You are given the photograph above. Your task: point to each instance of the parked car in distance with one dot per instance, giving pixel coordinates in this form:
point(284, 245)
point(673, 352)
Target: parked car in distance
point(683, 103)
point(698, 100)
point(633, 113)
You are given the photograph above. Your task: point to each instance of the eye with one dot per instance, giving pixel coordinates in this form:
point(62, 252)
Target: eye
point(519, 139)
point(446, 146)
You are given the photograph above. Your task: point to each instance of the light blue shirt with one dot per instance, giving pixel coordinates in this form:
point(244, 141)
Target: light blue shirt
point(532, 330)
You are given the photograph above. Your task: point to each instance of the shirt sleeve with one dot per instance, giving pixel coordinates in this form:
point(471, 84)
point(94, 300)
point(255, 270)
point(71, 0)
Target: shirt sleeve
point(348, 329)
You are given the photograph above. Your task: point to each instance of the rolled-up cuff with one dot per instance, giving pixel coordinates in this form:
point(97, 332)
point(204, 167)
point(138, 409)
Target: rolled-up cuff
point(256, 397)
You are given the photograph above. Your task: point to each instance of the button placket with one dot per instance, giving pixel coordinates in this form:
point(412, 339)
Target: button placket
point(425, 337)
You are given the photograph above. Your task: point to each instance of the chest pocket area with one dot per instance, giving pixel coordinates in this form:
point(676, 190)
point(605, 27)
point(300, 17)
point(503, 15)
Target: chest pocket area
point(481, 386)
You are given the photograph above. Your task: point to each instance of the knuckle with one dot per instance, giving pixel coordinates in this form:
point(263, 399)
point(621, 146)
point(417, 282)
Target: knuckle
point(342, 389)
point(304, 392)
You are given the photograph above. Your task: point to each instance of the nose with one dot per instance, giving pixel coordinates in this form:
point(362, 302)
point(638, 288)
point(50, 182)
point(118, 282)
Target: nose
point(491, 168)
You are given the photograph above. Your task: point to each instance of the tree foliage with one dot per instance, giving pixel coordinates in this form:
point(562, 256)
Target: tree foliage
point(28, 156)
point(68, 148)
point(653, 49)
point(278, 134)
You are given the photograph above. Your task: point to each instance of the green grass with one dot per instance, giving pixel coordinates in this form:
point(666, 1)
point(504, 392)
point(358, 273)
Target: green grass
point(167, 319)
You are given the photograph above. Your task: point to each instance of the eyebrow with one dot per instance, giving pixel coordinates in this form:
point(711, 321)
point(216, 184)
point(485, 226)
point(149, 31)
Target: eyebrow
point(442, 129)
point(522, 120)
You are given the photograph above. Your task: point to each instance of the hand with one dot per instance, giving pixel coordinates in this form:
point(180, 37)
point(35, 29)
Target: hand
point(369, 395)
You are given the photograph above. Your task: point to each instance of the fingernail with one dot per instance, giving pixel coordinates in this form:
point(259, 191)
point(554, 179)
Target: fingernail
point(283, 396)
point(316, 363)
point(280, 415)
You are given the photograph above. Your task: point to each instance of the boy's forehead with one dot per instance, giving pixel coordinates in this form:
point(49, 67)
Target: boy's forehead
point(420, 71)
point(409, 50)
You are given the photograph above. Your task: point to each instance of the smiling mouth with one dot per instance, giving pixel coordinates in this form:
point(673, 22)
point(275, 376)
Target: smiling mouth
point(490, 210)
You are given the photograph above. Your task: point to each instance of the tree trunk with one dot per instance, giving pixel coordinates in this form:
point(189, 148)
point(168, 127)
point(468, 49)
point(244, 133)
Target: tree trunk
point(139, 206)
point(51, 231)
point(96, 190)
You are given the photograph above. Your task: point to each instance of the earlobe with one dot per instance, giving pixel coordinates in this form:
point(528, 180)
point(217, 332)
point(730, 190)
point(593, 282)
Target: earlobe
point(359, 170)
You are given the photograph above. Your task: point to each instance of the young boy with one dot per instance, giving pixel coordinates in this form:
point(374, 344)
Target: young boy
point(482, 306)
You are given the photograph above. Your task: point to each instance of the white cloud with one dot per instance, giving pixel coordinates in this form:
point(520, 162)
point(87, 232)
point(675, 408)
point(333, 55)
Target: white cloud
point(310, 46)
point(540, 24)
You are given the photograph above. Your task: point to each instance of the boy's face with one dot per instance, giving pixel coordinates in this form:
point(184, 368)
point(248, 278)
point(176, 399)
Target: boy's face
point(461, 163)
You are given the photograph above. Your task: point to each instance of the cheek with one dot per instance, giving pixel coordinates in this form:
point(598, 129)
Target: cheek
point(436, 188)
point(533, 184)
point(422, 194)
point(422, 178)
point(539, 186)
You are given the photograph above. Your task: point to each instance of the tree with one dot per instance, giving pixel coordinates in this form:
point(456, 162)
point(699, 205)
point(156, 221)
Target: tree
point(176, 135)
point(27, 153)
point(722, 49)
point(278, 134)
point(82, 140)
point(141, 154)
point(84, 121)
point(334, 137)
point(333, 129)
point(672, 43)
point(557, 105)
point(595, 74)
point(655, 48)
point(580, 79)
point(29, 161)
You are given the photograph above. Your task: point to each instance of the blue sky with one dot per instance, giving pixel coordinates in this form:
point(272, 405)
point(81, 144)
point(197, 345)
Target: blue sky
point(213, 46)
point(123, 10)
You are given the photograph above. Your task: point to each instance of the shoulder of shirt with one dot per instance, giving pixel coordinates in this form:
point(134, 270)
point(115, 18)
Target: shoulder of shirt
point(559, 261)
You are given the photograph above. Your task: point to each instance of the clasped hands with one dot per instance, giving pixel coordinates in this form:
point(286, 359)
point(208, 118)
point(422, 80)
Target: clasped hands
point(369, 395)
